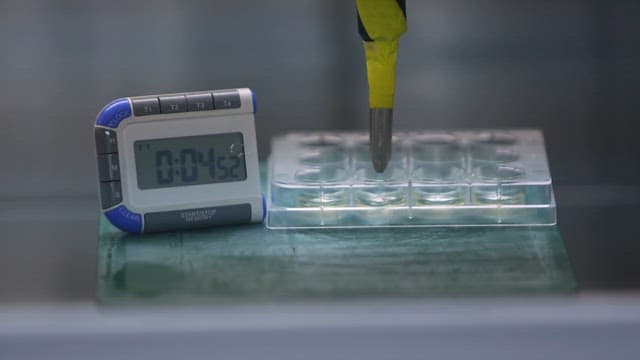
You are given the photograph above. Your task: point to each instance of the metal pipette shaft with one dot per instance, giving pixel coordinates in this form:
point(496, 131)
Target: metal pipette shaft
point(380, 128)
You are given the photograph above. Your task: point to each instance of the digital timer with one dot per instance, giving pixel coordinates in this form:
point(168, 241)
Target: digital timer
point(179, 161)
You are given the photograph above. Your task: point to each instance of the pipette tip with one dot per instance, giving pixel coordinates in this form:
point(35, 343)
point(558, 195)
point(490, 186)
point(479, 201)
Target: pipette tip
point(380, 129)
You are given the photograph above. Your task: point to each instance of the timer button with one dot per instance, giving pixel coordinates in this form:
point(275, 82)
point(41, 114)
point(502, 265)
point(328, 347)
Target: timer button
point(108, 167)
point(110, 193)
point(173, 104)
point(146, 106)
point(226, 99)
point(199, 102)
point(106, 141)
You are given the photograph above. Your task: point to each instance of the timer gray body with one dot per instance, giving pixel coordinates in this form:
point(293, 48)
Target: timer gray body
point(179, 161)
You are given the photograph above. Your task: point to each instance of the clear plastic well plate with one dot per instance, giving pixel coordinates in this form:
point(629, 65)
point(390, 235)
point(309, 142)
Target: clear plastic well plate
point(456, 178)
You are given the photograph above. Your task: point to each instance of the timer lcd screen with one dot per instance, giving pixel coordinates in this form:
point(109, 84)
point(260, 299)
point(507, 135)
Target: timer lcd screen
point(191, 160)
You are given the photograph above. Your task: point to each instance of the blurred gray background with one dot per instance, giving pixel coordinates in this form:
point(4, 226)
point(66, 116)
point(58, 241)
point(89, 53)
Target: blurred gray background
point(567, 67)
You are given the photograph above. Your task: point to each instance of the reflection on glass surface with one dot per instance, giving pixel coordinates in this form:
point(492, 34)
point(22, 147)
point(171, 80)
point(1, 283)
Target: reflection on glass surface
point(251, 262)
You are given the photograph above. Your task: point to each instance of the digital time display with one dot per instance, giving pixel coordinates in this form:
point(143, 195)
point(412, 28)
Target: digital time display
point(191, 160)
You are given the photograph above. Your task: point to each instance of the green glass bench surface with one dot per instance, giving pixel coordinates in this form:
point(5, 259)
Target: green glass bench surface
point(252, 262)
